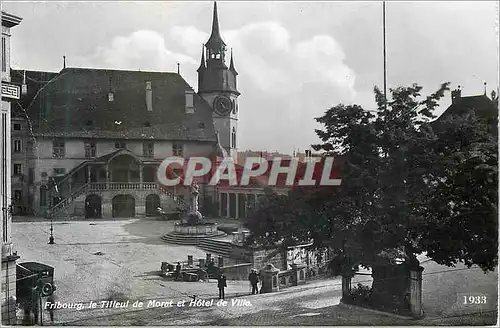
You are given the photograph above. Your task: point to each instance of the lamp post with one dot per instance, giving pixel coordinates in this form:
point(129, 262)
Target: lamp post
point(49, 212)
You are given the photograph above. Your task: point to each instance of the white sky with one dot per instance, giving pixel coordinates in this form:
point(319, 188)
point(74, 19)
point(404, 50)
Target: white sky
point(295, 59)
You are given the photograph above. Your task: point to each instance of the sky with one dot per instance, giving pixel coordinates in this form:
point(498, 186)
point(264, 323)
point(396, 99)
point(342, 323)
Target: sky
point(295, 59)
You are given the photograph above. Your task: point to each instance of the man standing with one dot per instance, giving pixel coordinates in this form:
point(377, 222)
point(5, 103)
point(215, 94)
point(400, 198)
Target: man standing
point(221, 283)
point(254, 280)
point(178, 270)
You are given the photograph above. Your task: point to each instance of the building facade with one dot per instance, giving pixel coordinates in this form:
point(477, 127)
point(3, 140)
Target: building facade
point(88, 142)
point(10, 92)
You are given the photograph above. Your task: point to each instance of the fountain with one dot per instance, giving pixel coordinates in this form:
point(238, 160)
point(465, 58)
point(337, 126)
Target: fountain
point(193, 226)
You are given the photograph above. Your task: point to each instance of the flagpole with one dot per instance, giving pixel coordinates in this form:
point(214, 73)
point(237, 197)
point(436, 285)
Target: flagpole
point(385, 56)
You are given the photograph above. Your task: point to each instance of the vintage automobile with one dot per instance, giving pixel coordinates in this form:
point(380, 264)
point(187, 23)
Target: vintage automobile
point(191, 274)
point(34, 281)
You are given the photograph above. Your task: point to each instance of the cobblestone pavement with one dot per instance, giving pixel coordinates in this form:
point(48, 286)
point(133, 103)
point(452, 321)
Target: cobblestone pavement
point(131, 254)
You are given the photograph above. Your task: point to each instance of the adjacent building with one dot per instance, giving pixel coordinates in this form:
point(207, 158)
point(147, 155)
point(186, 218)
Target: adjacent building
point(10, 92)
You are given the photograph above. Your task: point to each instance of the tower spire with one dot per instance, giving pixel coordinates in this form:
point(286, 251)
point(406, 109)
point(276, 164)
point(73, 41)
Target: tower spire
point(215, 40)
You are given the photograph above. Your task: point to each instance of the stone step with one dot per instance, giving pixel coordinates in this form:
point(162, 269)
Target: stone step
point(217, 247)
point(181, 239)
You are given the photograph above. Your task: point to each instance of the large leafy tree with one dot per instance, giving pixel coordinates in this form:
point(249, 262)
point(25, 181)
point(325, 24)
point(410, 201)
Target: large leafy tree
point(408, 186)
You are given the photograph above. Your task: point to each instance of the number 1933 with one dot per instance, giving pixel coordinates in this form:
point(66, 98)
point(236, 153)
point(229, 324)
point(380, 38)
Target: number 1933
point(474, 300)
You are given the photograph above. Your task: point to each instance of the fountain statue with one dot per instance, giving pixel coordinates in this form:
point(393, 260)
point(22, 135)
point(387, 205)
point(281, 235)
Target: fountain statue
point(194, 217)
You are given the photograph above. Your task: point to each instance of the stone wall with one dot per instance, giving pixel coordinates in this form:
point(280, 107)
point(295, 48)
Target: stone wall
point(237, 271)
point(275, 256)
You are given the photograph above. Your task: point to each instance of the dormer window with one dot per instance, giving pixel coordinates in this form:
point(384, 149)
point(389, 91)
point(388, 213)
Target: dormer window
point(149, 96)
point(189, 98)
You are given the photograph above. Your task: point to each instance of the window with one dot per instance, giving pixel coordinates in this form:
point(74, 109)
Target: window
point(17, 126)
point(233, 138)
point(18, 169)
point(147, 124)
point(43, 196)
point(31, 175)
point(18, 195)
point(90, 149)
point(148, 149)
point(201, 125)
point(120, 145)
point(30, 147)
point(17, 146)
point(58, 148)
point(177, 149)
point(189, 98)
point(149, 96)
point(4, 55)
point(90, 123)
point(59, 171)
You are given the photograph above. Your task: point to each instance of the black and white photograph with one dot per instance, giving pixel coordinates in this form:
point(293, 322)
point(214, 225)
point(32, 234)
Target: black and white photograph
point(249, 163)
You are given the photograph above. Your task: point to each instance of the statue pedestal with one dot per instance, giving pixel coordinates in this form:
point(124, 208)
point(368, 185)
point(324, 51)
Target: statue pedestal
point(269, 276)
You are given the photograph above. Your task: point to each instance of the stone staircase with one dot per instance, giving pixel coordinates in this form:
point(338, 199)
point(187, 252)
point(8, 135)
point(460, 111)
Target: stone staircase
point(220, 247)
point(192, 240)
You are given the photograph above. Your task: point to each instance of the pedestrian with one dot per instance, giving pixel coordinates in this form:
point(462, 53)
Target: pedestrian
point(178, 270)
point(254, 280)
point(221, 284)
point(50, 305)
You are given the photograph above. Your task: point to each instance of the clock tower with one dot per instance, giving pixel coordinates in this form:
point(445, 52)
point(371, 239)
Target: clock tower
point(217, 85)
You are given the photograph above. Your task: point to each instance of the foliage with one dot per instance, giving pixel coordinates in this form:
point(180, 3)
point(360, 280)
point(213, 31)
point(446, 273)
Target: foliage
point(409, 185)
point(359, 294)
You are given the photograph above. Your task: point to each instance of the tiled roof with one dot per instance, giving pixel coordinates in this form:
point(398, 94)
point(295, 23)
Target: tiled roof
point(481, 105)
point(75, 104)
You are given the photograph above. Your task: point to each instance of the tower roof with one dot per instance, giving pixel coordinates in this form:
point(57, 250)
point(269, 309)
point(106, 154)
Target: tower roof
point(215, 41)
point(202, 62)
point(231, 65)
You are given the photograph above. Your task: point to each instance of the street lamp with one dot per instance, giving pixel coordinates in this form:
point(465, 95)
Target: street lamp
point(51, 238)
point(49, 212)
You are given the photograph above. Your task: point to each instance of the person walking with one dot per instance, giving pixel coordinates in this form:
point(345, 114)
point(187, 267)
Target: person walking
point(50, 306)
point(254, 280)
point(221, 284)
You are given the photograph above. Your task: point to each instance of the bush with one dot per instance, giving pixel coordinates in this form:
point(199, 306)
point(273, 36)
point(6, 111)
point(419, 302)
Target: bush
point(359, 295)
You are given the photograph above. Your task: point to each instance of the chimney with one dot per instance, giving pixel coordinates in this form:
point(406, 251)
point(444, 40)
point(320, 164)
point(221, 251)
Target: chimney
point(455, 95)
point(149, 96)
point(189, 94)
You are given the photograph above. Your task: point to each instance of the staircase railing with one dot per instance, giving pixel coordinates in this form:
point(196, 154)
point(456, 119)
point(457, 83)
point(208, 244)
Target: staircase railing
point(73, 170)
point(66, 201)
point(181, 202)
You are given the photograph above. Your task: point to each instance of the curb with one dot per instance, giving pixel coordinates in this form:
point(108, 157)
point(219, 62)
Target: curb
point(388, 314)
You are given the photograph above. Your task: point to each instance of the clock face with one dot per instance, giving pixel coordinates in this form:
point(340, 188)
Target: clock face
point(223, 105)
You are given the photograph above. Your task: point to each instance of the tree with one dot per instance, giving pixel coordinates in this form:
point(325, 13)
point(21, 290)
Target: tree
point(408, 186)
